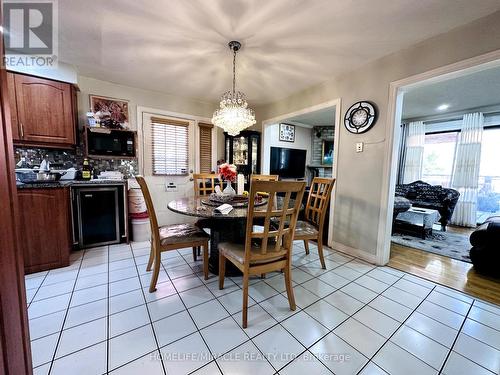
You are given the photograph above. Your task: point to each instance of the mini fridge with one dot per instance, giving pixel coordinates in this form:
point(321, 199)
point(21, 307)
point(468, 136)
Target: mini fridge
point(98, 216)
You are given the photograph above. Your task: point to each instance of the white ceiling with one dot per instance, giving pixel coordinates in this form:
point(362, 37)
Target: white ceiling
point(322, 117)
point(180, 46)
point(470, 91)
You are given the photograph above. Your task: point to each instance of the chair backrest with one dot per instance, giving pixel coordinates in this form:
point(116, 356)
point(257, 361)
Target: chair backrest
point(202, 179)
point(153, 221)
point(284, 213)
point(264, 177)
point(317, 202)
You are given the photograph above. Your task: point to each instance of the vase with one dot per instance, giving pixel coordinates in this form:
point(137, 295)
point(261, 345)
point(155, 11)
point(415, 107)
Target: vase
point(228, 190)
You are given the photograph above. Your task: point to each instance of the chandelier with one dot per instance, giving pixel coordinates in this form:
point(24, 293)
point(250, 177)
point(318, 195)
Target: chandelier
point(233, 115)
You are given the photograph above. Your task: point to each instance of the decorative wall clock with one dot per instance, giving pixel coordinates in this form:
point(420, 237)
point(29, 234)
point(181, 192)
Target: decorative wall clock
point(360, 117)
point(287, 133)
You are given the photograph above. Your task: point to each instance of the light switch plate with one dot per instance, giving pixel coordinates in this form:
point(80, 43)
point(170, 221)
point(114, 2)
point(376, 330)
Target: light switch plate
point(359, 147)
point(170, 187)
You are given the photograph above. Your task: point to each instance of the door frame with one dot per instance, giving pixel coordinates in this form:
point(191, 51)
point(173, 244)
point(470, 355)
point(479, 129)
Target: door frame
point(393, 133)
point(15, 351)
point(337, 103)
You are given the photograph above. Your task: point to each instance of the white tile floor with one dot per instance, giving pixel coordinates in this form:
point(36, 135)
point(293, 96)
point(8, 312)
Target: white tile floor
point(97, 317)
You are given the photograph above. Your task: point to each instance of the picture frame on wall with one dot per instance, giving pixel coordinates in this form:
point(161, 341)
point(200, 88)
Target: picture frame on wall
point(327, 153)
point(111, 112)
point(287, 133)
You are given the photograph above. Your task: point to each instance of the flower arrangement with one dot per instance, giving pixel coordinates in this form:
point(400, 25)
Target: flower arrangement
point(227, 172)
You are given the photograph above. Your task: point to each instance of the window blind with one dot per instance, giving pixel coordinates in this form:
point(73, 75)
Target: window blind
point(205, 147)
point(169, 145)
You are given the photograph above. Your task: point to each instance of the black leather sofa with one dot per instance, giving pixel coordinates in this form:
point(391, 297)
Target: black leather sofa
point(436, 197)
point(485, 251)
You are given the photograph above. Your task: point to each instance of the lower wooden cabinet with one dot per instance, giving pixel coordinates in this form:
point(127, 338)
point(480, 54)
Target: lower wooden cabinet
point(45, 224)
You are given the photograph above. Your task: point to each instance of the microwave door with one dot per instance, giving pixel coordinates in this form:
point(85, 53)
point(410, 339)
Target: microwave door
point(114, 144)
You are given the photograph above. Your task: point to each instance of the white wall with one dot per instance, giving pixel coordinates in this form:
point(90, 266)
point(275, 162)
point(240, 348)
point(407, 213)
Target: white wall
point(271, 139)
point(361, 176)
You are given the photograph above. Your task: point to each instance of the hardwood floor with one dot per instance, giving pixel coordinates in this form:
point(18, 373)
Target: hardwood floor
point(445, 271)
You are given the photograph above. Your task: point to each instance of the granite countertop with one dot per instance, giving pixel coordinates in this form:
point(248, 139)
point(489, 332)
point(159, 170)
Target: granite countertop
point(64, 183)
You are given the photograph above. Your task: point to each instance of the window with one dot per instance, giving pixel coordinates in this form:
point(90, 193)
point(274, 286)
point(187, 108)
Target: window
point(205, 147)
point(169, 146)
point(439, 154)
point(488, 199)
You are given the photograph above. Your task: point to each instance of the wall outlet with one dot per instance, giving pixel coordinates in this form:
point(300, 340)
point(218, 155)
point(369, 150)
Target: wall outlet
point(170, 187)
point(359, 147)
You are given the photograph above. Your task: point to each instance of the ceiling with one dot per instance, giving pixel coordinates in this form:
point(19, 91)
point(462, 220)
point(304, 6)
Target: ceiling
point(322, 117)
point(474, 90)
point(180, 46)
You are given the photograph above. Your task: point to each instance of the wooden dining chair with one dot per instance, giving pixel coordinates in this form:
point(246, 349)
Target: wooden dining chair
point(170, 237)
point(204, 183)
point(317, 203)
point(269, 249)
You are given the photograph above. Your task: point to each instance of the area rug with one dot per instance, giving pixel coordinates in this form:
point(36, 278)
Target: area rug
point(448, 244)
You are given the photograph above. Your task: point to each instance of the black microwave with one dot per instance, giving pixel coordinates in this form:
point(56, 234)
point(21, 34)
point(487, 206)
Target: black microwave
point(109, 142)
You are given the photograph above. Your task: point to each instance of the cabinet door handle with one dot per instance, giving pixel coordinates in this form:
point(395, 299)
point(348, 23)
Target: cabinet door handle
point(22, 130)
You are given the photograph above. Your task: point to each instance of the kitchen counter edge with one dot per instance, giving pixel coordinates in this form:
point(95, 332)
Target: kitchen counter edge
point(68, 183)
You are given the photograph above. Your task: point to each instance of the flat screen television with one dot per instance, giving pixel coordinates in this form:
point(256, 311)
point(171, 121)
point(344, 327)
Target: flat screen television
point(288, 162)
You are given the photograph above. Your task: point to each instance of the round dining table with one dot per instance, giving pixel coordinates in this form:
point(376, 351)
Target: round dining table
point(223, 227)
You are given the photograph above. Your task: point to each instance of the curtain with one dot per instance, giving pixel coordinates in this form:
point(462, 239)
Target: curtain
point(465, 176)
point(414, 154)
point(402, 155)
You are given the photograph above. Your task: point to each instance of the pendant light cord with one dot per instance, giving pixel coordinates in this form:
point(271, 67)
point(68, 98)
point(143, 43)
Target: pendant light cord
point(234, 70)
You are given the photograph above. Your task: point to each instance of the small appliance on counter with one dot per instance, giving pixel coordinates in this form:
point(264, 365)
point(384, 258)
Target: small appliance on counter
point(32, 176)
point(110, 175)
point(101, 142)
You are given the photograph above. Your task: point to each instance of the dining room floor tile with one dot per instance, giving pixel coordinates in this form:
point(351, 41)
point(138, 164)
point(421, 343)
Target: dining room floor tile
point(97, 317)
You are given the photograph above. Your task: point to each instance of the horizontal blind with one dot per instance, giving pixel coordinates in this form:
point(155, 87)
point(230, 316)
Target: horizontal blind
point(205, 147)
point(169, 145)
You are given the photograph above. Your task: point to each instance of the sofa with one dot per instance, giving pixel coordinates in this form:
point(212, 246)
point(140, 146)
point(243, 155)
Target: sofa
point(436, 197)
point(485, 251)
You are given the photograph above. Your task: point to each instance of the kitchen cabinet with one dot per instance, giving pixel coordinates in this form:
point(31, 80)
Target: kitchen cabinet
point(43, 111)
point(45, 222)
point(11, 87)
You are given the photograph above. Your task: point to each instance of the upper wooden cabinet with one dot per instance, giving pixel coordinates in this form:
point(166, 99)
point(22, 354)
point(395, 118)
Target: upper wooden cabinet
point(43, 111)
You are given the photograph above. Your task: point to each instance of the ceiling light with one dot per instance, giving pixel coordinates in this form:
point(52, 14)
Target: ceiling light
point(233, 114)
point(443, 107)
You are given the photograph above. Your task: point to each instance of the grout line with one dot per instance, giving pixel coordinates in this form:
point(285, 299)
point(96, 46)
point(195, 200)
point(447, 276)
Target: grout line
point(191, 317)
point(37, 289)
point(149, 316)
point(65, 317)
point(454, 341)
point(234, 315)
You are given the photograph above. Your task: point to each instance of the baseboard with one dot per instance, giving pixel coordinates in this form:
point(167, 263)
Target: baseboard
point(370, 258)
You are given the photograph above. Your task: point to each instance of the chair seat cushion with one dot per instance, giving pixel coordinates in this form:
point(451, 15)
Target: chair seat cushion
point(179, 233)
point(305, 229)
point(236, 251)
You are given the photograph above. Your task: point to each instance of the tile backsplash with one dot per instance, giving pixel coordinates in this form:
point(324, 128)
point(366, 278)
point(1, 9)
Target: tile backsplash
point(74, 158)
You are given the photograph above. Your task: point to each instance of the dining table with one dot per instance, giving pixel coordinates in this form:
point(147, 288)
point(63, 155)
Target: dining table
point(223, 227)
point(230, 227)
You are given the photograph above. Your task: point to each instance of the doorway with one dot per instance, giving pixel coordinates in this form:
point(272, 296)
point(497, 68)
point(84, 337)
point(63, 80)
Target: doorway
point(434, 267)
point(316, 134)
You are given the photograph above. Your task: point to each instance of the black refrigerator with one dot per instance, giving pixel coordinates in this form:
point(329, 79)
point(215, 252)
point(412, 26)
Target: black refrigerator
point(98, 215)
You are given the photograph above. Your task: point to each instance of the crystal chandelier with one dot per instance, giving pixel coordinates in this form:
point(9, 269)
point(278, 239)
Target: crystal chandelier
point(233, 115)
